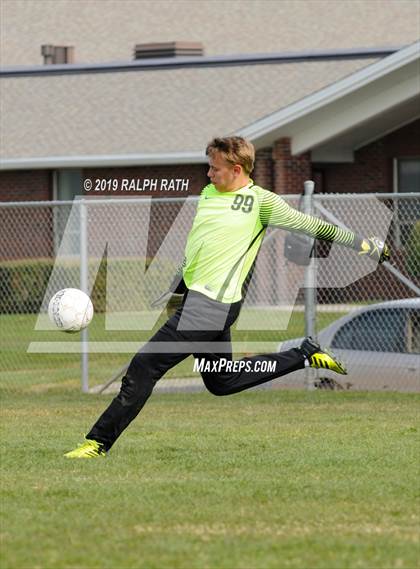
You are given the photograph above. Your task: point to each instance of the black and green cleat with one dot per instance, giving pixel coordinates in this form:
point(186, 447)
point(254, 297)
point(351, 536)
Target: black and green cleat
point(88, 449)
point(320, 358)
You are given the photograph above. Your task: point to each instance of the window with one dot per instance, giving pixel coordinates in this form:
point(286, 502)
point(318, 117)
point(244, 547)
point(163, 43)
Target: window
point(382, 330)
point(413, 332)
point(409, 175)
point(407, 211)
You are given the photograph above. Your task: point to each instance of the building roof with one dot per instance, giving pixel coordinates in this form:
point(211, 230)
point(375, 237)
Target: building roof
point(350, 113)
point(166, 115)
point(160, 112)
point(108, 31)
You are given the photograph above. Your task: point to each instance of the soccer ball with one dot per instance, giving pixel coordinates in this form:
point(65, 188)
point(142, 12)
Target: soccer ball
point(70, 310)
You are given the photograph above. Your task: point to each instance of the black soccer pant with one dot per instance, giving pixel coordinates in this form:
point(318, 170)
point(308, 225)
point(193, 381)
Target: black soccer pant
point(201, 326)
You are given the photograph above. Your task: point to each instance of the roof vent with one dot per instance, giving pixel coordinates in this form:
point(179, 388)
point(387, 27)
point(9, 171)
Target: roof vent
point(57, 54)
point(168, 49)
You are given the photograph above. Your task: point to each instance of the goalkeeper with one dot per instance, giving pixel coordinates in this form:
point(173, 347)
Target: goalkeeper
point(231, 219)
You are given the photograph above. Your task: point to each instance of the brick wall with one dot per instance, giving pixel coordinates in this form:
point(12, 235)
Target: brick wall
point(25, 232)
point(263, 168)
point(289, 172)
point(372, 170)
point(25, 185)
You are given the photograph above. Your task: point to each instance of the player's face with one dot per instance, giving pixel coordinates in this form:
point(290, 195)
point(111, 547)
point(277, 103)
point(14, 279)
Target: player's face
point(221, 173)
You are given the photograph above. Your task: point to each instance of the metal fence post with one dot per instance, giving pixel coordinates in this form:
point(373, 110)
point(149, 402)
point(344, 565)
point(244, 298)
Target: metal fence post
point(84, 286)
point(310, 286)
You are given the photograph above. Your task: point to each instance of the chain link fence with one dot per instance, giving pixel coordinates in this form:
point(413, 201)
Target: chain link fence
point(126, 251)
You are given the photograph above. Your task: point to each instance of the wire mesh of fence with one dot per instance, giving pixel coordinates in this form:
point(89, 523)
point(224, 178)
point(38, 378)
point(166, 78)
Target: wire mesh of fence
point(133, 248)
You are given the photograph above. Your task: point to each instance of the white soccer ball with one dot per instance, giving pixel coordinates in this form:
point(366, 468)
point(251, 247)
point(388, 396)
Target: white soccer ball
point(70, 310)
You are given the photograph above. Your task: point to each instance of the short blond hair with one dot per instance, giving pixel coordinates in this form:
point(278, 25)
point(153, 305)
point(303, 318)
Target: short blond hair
point(235, 150)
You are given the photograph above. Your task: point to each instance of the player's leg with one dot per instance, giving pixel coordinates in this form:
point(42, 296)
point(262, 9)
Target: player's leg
point(256, 370)
point(145, 369)
point(249, 371)
point(187, 327)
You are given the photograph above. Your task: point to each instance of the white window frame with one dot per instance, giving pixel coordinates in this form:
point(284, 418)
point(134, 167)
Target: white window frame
point(56, 223)
point(396, 190)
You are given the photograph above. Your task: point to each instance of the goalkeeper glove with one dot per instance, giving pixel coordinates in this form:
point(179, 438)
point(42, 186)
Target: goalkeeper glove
point(174, 303)
point(374, 248)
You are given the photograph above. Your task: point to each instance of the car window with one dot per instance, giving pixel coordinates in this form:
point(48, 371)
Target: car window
point(413, 335)
point(382, 330)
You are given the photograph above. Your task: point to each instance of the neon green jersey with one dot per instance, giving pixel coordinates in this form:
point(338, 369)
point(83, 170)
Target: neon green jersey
point(227, 233)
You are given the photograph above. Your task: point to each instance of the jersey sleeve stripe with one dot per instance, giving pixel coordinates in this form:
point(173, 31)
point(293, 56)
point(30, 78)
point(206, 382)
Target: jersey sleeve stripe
point(275, 211)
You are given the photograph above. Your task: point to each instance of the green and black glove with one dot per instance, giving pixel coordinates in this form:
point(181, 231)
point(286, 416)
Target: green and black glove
point(175, 302)
point(374, 248)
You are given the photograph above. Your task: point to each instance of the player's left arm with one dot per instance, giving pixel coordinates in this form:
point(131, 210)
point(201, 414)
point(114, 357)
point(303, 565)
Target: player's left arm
point(275, 211)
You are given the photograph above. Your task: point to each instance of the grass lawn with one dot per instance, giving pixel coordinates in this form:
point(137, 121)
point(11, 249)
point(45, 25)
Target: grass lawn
point(20, 371)
point(257, 480)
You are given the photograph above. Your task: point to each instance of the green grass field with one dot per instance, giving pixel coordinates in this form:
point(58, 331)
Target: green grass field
point(22, 371)
point(268, 479)
point(264, 480)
